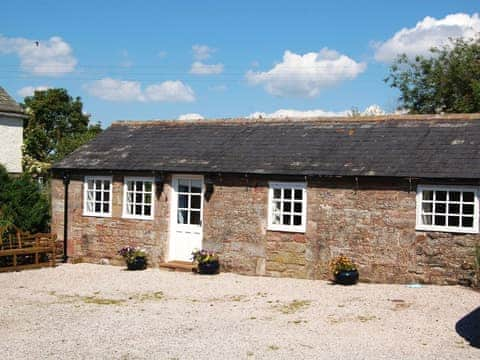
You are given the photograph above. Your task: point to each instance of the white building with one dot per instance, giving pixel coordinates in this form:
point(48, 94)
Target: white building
point(11, 133)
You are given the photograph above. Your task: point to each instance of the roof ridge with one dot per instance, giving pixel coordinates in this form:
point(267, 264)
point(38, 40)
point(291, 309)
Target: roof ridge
point(320, 119)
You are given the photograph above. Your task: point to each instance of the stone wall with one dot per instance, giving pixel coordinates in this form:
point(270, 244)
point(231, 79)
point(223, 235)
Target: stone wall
point(372, 221)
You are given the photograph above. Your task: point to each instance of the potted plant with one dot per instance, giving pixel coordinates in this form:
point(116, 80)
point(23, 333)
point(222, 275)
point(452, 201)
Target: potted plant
point(135, 257)
point(207, 261)
point(344, 270)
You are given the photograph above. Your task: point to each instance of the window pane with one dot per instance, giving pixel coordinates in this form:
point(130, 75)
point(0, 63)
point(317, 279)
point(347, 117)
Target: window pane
point(90, 206)
point(468, 196)
point(467, 221)
point(130, 209)
point(468, 209)
point(276, 206)
point(287, 193)
point(130, 185)
point(106, 196)
point(286, 219)
point(287, 207)
point(277, 193)
point(138, 197)
point(98, 196)
point(129, 197)
point(440, 220)
point(297, 220)
point(106, 185)
point(147, 198)
point(276, 219)
point(98, 184)
point(183, 201)
point(183, 186)
point(98, 207)
point(427, 207)
point(440, 208)
point(195, 217)
point(196, 186)
point(147, 186)
point(138, 185)
point(454, 208)
point(298, 207)
point(298, 194)
point(90, 195)
point(427, 219)
point(427, 195)
point(105, 207)
point(90, 185)
point(453, 221)
point(454, 196)
point(138, 209)
point(195, 202)
point(441, 195)
point(147, 210)
point(182, 217)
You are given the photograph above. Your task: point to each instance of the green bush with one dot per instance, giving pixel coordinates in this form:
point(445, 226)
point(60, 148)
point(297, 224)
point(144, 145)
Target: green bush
point(23, 203)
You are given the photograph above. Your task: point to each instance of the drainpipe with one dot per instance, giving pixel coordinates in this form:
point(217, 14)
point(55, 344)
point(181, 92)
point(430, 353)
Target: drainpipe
point(66, 182)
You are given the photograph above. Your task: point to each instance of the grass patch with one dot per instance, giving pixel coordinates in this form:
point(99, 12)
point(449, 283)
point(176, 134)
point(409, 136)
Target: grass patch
point(293, 306)
point(157, 295)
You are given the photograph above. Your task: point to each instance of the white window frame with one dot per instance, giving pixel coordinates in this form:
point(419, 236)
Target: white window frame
point(125, 214)
point(445, 228)
point(289, 185)
point(85, 190)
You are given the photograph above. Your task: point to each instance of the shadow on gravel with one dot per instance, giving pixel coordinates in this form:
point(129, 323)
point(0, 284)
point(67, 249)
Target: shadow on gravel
point(468, 327)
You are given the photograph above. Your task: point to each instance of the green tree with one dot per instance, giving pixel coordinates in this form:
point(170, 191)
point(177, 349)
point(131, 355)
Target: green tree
point(447, 81)
point(23, 203)
point(55, 126)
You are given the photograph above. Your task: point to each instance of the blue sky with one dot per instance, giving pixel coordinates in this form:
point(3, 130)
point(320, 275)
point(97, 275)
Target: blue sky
point(161, 59)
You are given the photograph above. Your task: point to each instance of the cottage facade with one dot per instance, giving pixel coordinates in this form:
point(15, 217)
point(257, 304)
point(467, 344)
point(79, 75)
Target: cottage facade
point(11, 133)
point(400, 195)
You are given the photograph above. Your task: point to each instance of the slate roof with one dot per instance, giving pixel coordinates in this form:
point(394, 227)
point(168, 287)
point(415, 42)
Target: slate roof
point(395, 146)
point(8, 105)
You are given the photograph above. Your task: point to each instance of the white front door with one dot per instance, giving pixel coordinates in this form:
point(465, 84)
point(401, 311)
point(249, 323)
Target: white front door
point(186, 216)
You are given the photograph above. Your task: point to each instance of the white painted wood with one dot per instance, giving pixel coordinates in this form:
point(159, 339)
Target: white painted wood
point(185, 237)
point(444, 228)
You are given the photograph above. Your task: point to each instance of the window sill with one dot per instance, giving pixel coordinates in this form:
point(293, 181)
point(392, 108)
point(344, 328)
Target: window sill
point(97, 215)
point(133, 217)
point(446, 230)
point(289, 229)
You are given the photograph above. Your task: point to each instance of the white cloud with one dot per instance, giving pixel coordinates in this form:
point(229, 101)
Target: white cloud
point(162, 54)
point(52, 57)
point(306, 75)
point(372, 110)
point(199, 68)
point(120, 90)
point(202, 52)
point(428, 33)
point(191, 116)
point(30, 90)
point(170, 91)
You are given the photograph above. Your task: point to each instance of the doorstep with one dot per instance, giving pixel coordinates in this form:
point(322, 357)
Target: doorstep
point(177, 265)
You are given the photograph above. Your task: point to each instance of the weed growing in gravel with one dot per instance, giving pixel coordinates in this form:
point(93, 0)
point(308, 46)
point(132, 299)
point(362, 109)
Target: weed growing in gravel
point(293, 307)
point(273, 347)
point(158, 295)
point(101, 301)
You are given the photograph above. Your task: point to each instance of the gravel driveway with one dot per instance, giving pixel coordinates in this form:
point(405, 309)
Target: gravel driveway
point(90, 311)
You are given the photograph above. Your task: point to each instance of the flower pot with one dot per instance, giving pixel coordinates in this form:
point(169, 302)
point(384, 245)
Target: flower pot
point(347, 277)
point(209, 268)
point(139, 263)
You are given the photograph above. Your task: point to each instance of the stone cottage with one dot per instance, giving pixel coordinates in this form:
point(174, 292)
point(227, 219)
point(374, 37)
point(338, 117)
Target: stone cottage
point(11, 133)
point(398, 194)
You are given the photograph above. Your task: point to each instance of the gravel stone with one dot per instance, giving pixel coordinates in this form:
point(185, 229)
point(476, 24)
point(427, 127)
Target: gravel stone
point(88, 311)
